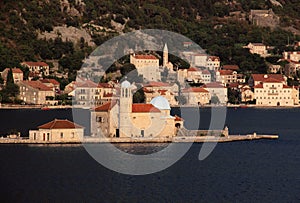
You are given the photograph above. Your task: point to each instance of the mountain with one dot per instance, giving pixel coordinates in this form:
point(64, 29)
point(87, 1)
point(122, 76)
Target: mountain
point(44, 29)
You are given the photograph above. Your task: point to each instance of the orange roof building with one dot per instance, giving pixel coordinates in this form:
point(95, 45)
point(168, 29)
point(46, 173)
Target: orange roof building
point(35, 92)
point(58, 131)
point(37, 67)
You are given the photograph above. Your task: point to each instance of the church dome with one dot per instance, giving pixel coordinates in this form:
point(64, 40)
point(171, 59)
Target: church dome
point(125, 84)
point(161, 103)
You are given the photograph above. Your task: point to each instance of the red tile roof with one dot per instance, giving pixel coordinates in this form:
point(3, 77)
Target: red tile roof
point(37, 85)
point(149, 57)
point(195, 89)
point(144, 108)
point(30, 63)
point(147, 91)
point(263, 77)
point(104, 85)
point(230, 67)
point(14, 70)
point(192, 69)
point(225, 72)
point(206, 72)
point(272, 80)
point(259, 86)
point(52, 81)
point(87, 83)
point(157, 84)
point(177, 118)
point(60, 124)
point(214, 58)
point(106, 107)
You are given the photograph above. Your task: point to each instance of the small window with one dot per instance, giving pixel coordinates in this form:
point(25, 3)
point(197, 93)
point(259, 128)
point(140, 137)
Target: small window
point(72, 134)
point(61, 135)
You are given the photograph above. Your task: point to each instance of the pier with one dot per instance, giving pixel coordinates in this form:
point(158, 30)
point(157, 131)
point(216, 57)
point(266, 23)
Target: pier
point(176, 139)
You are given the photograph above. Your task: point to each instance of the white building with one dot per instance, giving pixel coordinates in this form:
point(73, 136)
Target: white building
point(35, 92)
point(194, 75)
point(38, 68)
point(273, 92)
point(196, 96)
point(258, 48)
point(291, 55)
point(217, 89)
point(213, 63)
point(146, 65)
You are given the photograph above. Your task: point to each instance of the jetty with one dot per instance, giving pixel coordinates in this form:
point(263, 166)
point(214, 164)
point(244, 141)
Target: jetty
point(176, 139)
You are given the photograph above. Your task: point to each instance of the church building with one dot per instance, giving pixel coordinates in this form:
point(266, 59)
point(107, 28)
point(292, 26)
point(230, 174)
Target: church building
point(124, 119)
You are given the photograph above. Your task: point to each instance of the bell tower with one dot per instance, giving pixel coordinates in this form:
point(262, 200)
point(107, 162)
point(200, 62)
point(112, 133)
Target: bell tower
point(165, 55)
point(125, 109)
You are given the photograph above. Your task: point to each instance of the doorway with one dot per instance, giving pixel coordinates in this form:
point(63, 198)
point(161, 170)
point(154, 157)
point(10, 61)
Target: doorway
point(117, 133)
point(142, 133)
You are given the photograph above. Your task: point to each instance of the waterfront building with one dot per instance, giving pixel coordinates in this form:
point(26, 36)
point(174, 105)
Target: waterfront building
point(124, 119)
point(272, 92)
point(39, 68)
point(35, 92)
point(196, 96)
point(256, 79)
point(246, 93)
point(88, 93)
point(146, 65)
point(17, 74)
point(217, 89)
point(57, 131)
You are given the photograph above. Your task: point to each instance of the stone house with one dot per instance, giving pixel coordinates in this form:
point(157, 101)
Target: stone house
point(35, 92)
point(39, 68)
point(17, 74)
point(196, 96)
point(217, 89)
point(57, 131)
point(146, 65)
point(272, 92)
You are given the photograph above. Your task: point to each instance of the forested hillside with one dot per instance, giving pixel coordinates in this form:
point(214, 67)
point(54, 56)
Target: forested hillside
point(213, 24)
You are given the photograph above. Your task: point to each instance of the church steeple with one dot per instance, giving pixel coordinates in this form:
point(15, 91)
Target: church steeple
point(165, 55)
point(125, 108)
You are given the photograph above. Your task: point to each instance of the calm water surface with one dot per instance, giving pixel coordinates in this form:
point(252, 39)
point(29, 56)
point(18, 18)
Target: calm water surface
point(258, 171)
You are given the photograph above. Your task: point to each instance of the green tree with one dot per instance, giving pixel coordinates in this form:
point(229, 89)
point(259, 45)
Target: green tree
point(10, 77)
point(139, 96)
point(1, 80)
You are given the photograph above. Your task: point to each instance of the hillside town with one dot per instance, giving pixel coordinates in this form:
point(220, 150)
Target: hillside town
point(205, 82)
